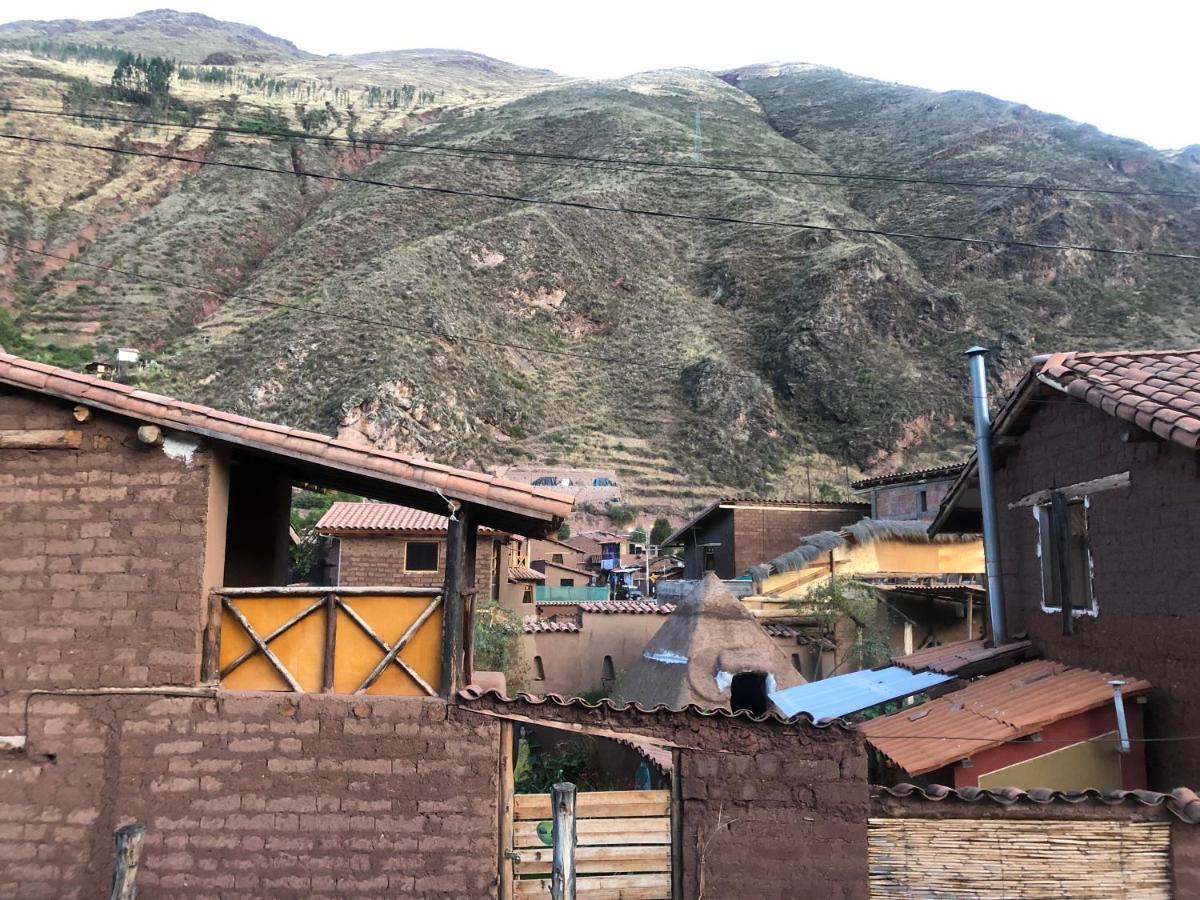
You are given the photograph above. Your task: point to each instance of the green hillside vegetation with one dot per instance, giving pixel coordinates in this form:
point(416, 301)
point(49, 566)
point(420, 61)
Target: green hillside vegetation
point(693, 359)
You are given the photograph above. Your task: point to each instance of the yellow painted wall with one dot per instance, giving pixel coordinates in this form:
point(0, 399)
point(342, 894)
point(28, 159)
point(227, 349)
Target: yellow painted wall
point(301, 648)
point(1088, 764)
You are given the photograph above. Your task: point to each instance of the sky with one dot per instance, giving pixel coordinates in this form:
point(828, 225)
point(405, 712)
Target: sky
point(1128, 68)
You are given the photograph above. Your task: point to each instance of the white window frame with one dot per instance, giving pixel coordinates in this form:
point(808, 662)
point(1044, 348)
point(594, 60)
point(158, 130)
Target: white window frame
point(1094, 609)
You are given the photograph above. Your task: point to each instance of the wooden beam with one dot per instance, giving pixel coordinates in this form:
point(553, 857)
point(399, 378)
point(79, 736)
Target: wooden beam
point(562, 866)
point(386, 647)
point(676, 826)
point(303, 614)
point(150, 435)
point(507, 841)
point(210, 659)
point(1074, 491)
point(82, 413)
point(453, 615)
point(130, 840)
point(1060, 546)
point(331, 608)
point(262, 646)
point(40, 439)
point(393, 652)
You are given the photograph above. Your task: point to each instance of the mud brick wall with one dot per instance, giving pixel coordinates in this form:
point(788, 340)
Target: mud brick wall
point(760, 535)
point(101, 558)
point(262, 795)
point(1144, 547)
point(769, 810)
point(366, 560)
point(903, 501)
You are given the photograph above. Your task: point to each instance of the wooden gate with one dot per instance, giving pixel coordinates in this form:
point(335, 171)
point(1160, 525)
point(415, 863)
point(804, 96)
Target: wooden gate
point(623, 845)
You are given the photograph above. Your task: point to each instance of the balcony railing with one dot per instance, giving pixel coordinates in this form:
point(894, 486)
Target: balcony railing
point(377, 640)
point(550, 593)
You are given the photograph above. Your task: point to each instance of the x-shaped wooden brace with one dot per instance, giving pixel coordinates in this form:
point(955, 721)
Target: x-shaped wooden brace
point(261, 643)
point(391, 654)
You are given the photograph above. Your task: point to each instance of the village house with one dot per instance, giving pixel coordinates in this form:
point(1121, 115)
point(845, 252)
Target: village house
point(1097, 486)
point(908, 495)
point(731, 535)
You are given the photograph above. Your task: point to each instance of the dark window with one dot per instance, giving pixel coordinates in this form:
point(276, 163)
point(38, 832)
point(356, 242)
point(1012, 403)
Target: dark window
point(528, 595)
point(749, 692)
point(421, 556)
point(922, 500)
point(1070, 536)
point(539, 671)
point(797, 663)
point(566, 582)
point(608, 674)
point(710, 559)
point(556, 557)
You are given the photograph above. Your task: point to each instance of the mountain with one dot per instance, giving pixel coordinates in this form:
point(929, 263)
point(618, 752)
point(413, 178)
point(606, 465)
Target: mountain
point(694, 358)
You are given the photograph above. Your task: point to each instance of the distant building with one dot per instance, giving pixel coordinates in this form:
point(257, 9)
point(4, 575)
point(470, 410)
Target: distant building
point(729, 536)
point(908, 495)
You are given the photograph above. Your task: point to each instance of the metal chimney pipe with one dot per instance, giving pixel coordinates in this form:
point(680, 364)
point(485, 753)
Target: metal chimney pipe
point(987, 493)
point(1119, 703)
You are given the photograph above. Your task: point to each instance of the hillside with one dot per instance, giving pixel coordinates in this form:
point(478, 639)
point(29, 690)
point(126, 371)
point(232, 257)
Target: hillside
point(691, 358)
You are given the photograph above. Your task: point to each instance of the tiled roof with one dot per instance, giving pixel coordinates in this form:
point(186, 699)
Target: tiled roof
point(902, 477)
point(474, 694)
point(534, 625)
point(1182, 802)
point(989, 712)
point(318, 449)
point(524, 573)
point(628, 606)
point(964, 658)
point(351, 516)
point(1158, 391)
point(777, 629)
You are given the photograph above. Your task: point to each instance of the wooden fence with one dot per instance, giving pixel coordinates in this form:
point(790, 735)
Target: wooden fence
point(990, 859)
point(377, 640)
point(623, 845)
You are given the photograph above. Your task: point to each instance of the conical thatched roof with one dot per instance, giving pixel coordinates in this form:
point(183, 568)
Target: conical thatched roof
point(693, 657)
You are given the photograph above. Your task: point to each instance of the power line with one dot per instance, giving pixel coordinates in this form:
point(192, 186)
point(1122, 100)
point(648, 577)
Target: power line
point(491, 153)
point(596, 207)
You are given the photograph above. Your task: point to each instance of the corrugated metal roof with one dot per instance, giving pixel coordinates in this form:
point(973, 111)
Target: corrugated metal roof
point(855, 691)
point(965, 657)
point(990, 712)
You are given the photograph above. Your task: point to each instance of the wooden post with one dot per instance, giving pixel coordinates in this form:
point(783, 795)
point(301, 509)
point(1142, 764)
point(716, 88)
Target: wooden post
point(970, 617)
point(676, 826)
point(210, 658)
point(453, 615)
point(506, 809)
point(470, 556)
point(1060, 548)
point(562, 872)
point(130, 839)
point(330, 638)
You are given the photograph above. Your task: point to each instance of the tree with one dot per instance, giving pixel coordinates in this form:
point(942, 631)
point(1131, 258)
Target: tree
point(638, 536)
point(660, 531)
point(564, 531)
point(498, 643)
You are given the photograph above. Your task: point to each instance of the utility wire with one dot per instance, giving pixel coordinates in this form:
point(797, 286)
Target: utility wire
point(491, 154)
point(624, 210)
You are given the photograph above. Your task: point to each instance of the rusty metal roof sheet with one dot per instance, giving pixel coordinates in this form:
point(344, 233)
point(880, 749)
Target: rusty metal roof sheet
point(487, 491)
point(989, 712)
point(966, 658)
point(935, 472)
point(1182, 802)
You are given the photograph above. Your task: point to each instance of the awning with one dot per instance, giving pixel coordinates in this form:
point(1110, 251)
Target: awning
point(850, 693)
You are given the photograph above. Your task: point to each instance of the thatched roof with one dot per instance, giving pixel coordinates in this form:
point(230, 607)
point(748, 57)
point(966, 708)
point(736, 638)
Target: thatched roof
point(692, 658)
point(862, 533)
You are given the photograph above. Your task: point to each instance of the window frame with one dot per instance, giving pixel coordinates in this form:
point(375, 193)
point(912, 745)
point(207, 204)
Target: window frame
point(437, 560)
point(1041, 512)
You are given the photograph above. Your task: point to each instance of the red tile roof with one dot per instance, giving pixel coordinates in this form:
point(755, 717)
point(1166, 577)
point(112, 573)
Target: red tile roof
point(524, 573)
point(349, 516)
point(936, 472)
point(534, 625)
point(628, 606)
point(1158, 391)
point(989, 712)
point(1184, 803)
point(485, 490)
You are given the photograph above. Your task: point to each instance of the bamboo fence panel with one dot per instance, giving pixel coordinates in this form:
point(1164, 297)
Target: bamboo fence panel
point(986, 859)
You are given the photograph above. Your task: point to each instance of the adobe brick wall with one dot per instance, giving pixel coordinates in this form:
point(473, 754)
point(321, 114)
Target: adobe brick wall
point(379, 560)
point(760, 535)
point(263, 795)
point(792, 800)
point(1144, 544)
point(902, 501)
point(101, 558)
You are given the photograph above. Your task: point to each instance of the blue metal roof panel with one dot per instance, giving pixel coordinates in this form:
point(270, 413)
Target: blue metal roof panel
point(855, 691)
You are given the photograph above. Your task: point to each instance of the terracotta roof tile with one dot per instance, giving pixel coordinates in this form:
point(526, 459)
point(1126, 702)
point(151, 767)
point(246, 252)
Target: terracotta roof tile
point(1184, 803)
point(948, 471)
point(524, 573)
point(484, 490)
point(1156, 390)
point(346, 517)
point(534, 625)
point(989, 712)
point(628, 606)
